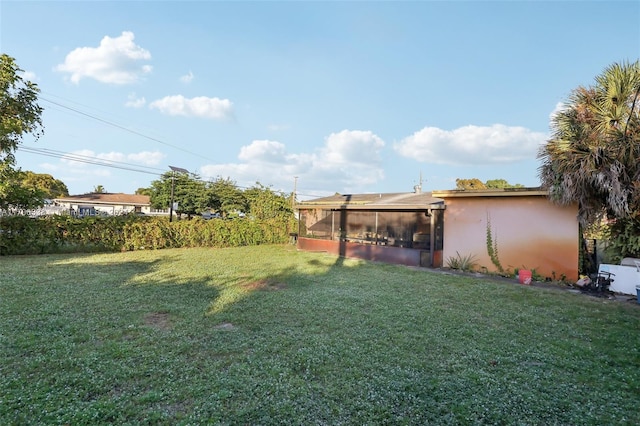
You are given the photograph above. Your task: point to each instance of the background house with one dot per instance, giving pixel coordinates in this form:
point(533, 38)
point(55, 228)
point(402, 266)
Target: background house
point(503, 229)
point(107, 204)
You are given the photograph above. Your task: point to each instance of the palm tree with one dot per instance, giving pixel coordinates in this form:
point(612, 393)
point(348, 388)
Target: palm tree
point(593, 156)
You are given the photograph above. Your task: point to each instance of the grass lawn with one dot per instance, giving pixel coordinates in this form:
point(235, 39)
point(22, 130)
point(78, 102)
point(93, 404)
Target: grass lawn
point(269, 335)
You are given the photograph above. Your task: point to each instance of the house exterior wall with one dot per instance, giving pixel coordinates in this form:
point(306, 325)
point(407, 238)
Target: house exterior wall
point(529, 232)
point(109, 209)
point(95, 204)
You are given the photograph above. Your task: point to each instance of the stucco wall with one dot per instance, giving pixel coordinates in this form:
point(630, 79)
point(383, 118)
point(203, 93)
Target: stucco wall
point(530, 232)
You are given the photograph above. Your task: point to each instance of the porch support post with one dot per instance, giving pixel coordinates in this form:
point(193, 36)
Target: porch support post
point(333, 226)
point(432, 237)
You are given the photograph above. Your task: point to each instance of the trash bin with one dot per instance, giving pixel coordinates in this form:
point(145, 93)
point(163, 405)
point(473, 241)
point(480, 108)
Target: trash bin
point(638, 291)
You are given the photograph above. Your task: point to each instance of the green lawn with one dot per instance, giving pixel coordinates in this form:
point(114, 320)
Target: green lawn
point(269, 335)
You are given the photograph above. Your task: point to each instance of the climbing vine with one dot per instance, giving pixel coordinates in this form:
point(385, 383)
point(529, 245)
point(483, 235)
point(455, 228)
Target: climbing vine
point(492, 246)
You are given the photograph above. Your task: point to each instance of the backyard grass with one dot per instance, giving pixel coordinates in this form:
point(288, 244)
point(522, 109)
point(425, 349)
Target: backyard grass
point(269, 335)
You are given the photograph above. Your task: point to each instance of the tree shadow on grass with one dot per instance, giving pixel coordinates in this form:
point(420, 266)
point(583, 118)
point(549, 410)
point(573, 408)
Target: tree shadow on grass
point(277, 336)
point(92, 291)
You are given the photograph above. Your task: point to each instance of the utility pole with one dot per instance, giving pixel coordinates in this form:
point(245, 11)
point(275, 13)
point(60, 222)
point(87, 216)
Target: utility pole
point(293, 195)
point(173, 179)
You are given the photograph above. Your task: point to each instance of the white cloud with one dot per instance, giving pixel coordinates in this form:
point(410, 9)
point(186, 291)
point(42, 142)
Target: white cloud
point(135, 102)
point(263, 151)
point(214, 108)
point(29, 76)
point(349, 159)
point(187, 78)
point(111, 156)
point(147, 158)
point(472, 145)
point(78, 159)
point(83, 158)
point(353, 146)
point(116, 61)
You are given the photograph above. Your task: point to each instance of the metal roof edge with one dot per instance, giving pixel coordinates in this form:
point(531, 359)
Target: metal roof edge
point(502, 192)
point(439, 205)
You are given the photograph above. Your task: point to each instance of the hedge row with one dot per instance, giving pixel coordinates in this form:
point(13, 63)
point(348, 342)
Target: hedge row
point(62, 234)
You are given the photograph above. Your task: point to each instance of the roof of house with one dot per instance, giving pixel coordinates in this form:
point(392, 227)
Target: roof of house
point(493, 192)
point(411, 200)
point(385, 201)
point(107, 198)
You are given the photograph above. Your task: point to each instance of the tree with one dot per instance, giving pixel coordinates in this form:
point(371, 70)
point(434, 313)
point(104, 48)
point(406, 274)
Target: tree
point(191, 195)
point(15, 195)
point(47, 184)
point(28, 190)
point(264, 203)
point(99, 189)
point(20, 115)
point(20, 112)
point(593, 155)
point(501, 184)
point(188, 191)
point(225, 197)
point(474, 183)
point(143, 191)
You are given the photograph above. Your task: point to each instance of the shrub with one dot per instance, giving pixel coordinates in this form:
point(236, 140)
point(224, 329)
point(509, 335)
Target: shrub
point(24, 235)
point(463, 263)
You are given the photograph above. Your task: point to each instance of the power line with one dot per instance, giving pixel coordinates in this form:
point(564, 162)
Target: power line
point(113, 163)
point(91, 160)
point(120, 165)
point(126, 129)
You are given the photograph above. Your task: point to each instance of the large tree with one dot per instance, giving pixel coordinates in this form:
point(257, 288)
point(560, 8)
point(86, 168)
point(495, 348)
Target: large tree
point(593, 156)
point(29, 190)
point(20, 115)
point(501, 184)
point(47, 184)
point(225, 197)
point(189, 193)
point(475, 183)
point(265, 203)
point(15, 196)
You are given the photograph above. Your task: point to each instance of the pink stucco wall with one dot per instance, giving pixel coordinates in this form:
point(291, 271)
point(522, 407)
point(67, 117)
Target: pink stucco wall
point(530, 232)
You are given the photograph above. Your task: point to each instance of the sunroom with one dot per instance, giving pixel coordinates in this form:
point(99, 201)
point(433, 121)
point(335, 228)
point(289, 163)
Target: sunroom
point(403, 228)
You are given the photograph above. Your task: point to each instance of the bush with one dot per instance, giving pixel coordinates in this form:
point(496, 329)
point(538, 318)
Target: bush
point(463, 263)
point(624, 239)
point(56, 234)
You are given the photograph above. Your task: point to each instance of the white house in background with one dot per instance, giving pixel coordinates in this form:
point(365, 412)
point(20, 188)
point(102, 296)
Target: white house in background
point(107, 204)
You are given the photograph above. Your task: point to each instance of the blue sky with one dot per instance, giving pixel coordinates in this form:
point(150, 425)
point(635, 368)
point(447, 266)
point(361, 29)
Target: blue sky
point(345, 97)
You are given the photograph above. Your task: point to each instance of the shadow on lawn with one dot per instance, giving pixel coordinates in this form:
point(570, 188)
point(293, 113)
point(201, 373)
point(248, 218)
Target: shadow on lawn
point(131, 284)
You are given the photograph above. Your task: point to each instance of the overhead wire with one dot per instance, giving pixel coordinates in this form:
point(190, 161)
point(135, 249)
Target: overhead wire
point(91, 160)
point(122, 165)
point(113, 163)
point(121, 127)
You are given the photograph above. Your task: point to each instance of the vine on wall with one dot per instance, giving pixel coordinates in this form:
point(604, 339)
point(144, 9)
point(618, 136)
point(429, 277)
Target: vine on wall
point(492, 246)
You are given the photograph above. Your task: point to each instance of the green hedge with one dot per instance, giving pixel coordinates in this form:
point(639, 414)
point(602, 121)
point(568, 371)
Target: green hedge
point(58, 234)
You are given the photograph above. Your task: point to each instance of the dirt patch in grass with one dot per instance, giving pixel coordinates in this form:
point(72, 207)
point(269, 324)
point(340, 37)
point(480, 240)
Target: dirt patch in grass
point(265, 285)
point(158, 320)
point(225, 326)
